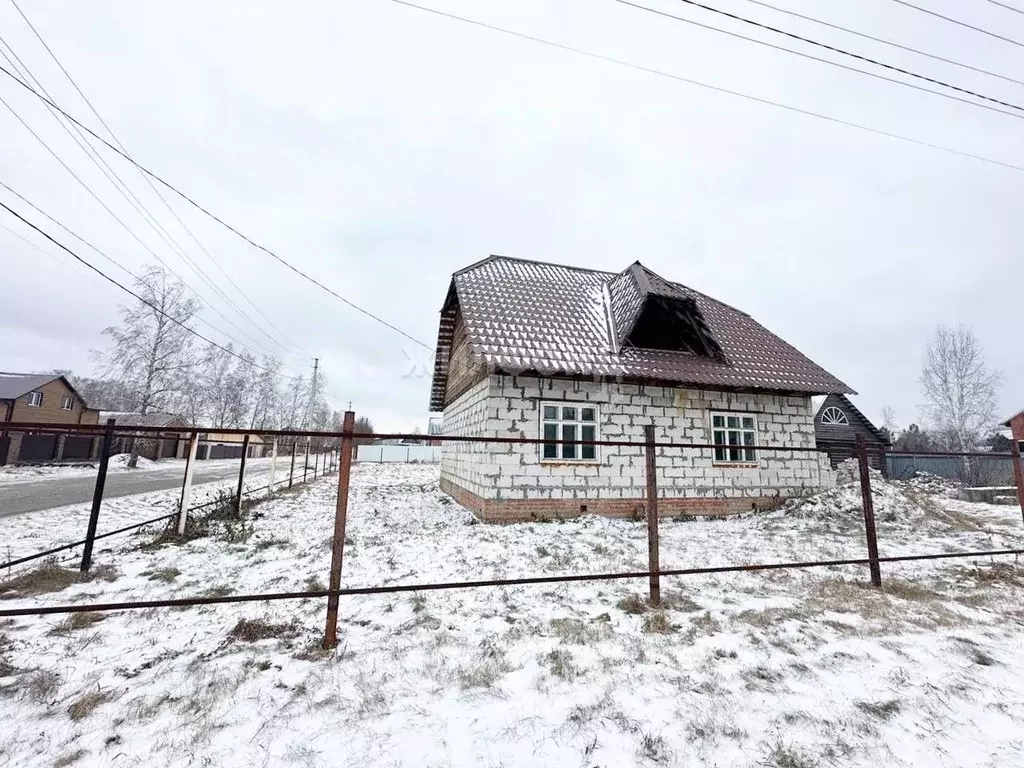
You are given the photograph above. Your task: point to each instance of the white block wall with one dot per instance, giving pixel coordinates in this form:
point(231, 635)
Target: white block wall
point(465, 464)
point(510, 405)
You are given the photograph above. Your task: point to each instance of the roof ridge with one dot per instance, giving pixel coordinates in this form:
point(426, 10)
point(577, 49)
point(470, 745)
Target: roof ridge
point(574, 268)
point(499, 257)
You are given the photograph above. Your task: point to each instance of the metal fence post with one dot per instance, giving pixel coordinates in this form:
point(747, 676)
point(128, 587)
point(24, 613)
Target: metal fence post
point(869, 510)
point(186, 487)
point(340, 519)
point(316, 458)
point(1018, 472)
point(97, 496)
point(653, 559)
point(305, 462)
point(291, 470)
point(273, 466)
point(241, 475)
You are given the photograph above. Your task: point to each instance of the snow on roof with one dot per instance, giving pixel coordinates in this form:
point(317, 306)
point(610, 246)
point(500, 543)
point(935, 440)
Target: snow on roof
point(134, 419)
point(550, 319)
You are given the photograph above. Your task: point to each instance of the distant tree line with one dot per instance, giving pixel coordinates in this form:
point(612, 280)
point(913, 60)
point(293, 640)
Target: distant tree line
point(155, 364)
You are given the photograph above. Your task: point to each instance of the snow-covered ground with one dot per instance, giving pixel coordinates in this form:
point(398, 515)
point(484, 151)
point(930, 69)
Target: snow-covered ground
point(26, 534)
point(791, 669)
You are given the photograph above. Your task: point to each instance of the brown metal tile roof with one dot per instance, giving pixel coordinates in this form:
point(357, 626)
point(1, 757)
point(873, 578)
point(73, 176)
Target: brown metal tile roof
point(526, 316)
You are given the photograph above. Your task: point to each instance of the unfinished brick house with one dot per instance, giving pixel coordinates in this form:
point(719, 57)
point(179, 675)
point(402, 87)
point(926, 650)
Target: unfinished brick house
point(541, 350)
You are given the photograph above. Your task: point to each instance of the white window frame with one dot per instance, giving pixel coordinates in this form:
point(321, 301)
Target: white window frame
point(35, 399)
point(70, 403)
point(835, 416)
point(742, 424)
point(578, 423)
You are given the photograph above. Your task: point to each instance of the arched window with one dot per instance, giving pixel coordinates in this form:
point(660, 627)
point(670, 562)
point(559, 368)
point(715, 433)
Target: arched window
point(833, 415)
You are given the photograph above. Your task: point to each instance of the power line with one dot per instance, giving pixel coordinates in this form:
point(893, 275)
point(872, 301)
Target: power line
point(220, 221)
point(1007, 7)
point(120, 221)
point(150, 183)
point(835, 49)
point(883, 41)
point(960, 23)
point(103, 255)
point(716, 88)
point(833, 63)
point(125, 191)
point(129, 291)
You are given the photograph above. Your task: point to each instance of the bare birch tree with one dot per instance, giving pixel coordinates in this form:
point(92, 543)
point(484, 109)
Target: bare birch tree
point(153, 345)
point(959, 388)
point(216, 378)
point(266, 395)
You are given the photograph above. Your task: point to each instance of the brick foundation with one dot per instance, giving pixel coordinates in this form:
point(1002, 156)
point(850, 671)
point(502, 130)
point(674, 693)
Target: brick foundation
point(525, 510)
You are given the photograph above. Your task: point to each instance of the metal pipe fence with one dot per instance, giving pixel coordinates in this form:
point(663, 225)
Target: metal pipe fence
point(341, 461)
point(110, 431)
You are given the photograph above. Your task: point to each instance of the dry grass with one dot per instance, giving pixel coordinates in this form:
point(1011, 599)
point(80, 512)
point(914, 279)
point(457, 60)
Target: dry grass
point(86, 704)
point(1007, 574)
point(883, 710)
point(69, 759)
point(6, 667)
point(42, 686)
point(577, 632)
point(51, 577)
point(254, 630)
point(634, 604)
point(488, 666)
point(77, 621)
point(562, 664)
point(908, 590)
point(783, 756)
point(657, 624)
point(703, 624)
point(166, 575)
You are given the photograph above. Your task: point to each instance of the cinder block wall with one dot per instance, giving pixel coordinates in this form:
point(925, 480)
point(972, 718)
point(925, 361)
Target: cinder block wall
point(505, 482)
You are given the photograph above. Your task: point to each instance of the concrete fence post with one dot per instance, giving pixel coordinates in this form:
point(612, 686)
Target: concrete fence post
point(186, 486)
point(273, 467)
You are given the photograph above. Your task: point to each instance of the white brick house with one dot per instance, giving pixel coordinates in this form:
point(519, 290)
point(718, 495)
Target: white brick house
point(545, 351)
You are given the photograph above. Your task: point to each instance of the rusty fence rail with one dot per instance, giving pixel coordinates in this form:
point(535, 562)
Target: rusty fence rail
point(652, 450)
point(184, 508)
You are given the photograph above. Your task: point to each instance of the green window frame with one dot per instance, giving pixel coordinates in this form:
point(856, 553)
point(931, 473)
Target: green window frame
point(738, 431)
point(569, 421)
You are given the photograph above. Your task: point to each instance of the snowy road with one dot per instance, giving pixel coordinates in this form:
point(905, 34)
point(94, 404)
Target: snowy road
point(20, 497)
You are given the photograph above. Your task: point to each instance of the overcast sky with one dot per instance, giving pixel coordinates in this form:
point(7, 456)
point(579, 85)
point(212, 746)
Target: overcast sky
point(380, 148)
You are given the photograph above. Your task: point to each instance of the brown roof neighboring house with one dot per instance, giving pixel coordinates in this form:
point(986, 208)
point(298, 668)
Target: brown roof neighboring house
point(521, 316)
point(42, 397)
point(27, 398)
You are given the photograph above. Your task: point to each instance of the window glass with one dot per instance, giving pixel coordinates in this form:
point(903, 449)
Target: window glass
point(569, 423)
point(588, 451)
point(568, 433)
point(739, 432)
